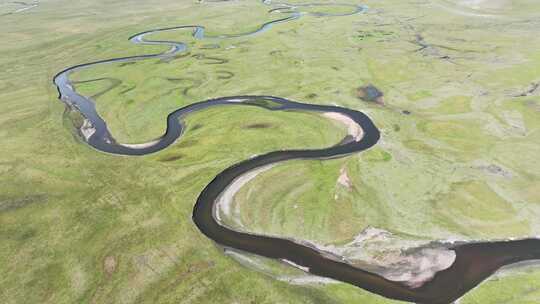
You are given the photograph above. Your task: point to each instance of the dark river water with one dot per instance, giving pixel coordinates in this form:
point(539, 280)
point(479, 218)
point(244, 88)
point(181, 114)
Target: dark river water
point(474, 261)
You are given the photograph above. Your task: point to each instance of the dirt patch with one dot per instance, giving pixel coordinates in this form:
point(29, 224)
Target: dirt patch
point(109, 265)
point(344, 179)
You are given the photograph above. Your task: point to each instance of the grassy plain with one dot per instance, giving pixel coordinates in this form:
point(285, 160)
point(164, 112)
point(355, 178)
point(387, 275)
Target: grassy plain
point(78, 226)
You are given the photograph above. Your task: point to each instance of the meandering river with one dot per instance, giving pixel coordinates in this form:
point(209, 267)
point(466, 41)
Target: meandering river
point(474, 262)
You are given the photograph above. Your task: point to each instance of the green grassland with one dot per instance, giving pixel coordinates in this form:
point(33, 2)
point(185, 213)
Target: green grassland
point(79, 226)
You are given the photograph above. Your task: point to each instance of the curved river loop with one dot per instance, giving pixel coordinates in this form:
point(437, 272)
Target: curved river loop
point(474, 262)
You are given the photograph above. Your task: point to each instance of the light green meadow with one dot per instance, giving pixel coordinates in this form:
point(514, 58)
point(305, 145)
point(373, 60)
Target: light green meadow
point(81, 226)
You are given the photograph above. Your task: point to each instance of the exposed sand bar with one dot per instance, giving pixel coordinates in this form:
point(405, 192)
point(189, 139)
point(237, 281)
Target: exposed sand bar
point(223, 205)
point(352, 127)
